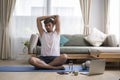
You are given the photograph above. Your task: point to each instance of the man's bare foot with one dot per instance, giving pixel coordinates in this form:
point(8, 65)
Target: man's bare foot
point(60, 67)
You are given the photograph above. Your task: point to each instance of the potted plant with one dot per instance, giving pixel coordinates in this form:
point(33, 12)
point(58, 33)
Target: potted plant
point(26, 44)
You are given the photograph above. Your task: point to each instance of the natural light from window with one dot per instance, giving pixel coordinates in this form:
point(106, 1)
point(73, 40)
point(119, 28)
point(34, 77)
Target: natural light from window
point(26, 12)
point(115, 18)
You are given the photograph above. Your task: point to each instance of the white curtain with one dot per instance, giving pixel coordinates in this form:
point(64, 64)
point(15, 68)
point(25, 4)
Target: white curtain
point(6, 9)
point(86, 8)
point(106, 16)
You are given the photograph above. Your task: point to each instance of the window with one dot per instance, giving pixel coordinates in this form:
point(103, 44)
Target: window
point(27, 11)
point(70, 15)
point(115, 18)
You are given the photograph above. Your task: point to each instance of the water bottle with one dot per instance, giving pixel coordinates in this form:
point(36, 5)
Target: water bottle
point(70, 66)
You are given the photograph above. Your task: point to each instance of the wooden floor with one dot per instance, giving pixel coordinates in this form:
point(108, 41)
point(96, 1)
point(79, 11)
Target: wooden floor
point(109, 74)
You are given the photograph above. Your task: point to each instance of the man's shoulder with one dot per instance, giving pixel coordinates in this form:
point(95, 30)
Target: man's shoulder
point(56, 33)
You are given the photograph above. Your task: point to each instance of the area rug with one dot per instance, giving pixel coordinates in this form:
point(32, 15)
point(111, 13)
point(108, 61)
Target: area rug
point(32, 69)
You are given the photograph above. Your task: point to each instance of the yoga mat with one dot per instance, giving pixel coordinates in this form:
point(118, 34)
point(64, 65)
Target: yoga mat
point(32, 69)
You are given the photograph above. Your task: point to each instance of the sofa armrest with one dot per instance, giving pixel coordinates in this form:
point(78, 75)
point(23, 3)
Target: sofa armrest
point(112, 41)
point(33, 43)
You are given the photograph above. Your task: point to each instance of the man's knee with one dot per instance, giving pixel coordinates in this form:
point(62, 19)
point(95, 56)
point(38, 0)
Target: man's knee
point(32, 60)
point(64, 56)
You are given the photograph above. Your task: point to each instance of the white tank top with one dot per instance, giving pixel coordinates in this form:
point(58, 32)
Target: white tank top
point(50, 44)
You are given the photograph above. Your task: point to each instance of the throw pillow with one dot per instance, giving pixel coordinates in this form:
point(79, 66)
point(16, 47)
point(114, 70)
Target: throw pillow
point(63, 40)
point(96, 37)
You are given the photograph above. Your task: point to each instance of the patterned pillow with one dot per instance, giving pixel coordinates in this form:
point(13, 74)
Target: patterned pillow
point(63, 40)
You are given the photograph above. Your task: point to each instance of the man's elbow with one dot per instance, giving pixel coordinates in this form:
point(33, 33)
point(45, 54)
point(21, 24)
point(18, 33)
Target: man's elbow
point(57, 16)
point(38, 19)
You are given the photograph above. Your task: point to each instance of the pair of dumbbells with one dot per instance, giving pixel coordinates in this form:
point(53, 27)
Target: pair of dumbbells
point(86, 65)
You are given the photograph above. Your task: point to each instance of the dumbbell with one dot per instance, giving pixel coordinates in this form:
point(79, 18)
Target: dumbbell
point(85, 65)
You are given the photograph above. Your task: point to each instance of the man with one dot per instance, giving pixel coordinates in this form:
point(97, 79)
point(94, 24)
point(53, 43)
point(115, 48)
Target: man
point(50, 57)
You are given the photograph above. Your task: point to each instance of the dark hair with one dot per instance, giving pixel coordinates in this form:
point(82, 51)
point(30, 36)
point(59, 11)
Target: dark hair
point(47, 20)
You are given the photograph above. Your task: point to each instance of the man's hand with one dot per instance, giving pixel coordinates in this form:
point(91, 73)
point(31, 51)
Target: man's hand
point(45, 17)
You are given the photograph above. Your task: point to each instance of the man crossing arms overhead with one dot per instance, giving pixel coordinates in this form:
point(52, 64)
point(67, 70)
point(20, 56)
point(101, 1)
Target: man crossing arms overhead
point(50, 57)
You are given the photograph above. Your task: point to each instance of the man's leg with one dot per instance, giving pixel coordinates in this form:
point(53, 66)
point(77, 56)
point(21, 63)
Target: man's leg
point(59, 61)
point(41, 64)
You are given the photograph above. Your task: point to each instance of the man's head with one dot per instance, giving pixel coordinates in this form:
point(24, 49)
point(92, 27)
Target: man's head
point(49, 24)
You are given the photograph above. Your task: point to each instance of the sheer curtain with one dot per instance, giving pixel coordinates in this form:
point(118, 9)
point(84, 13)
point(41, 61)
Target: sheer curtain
point(115, 18)
point(24, 23)
point(26, 12)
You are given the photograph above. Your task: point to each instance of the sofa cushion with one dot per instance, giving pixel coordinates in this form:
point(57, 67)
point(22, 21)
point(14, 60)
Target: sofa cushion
point(63, 40)
point(96, 37)
point(71, 40)
point(74, 50)
point(70, 50)
point(84, 50)
point(110, 41)
point(76, 40)
point(105, 50)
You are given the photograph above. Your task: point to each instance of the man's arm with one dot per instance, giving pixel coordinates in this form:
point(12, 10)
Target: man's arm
point(57, 23)
point(39, 24)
